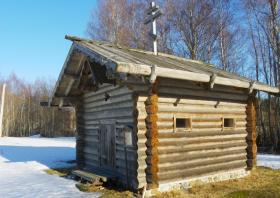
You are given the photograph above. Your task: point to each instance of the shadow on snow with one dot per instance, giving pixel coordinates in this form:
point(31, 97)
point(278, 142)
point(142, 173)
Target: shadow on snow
point(51, 157)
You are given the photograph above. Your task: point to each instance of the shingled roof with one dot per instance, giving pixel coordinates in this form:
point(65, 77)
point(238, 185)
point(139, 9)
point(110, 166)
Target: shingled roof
point(118, 59)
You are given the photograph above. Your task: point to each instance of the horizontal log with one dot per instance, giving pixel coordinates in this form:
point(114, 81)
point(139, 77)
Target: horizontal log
point(127, 112)
point(193, 155)
point(140, 69)
point(199, 143)
point(199, 86)
point(204, 134)
point(218, 115)
point(89, 141)
point(203, 147)
point(100, 95)
point(92, 149)
point(201, 162)
point(195, 171)
point(196, 130)
point(102, 89)
point(113, 106)
point(197, 109)
point(166, 91)
point(92, 156)
point(208, 139)
point(89, 162)
point(178, 100)
point(112, 100)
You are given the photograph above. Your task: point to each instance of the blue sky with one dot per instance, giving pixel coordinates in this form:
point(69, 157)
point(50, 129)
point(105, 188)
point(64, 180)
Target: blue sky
point(32, 43)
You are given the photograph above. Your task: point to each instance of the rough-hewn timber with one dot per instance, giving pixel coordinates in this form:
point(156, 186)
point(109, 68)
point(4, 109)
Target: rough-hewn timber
point(151, 105)
point(208, 147)
point(114, 112)
point(251, 130)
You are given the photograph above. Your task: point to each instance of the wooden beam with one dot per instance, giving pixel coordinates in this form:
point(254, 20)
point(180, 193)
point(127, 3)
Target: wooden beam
point(251, 132)
point(146, 70)
point(61, 102)
point(153, 76)
point(71, 51)
point(69, 86)
point(152, 132)
point(251, 88)
point(71, 76)
point(212, 80)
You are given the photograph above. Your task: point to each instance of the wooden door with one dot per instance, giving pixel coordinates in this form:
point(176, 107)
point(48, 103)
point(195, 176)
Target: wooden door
point(107, 146)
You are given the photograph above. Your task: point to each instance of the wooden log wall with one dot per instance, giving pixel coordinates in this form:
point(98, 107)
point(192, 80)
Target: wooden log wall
point(118, 107)
point(207, 148)
point(80, 143)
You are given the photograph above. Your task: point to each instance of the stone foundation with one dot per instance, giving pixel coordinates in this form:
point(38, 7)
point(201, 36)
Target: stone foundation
point(188, 182)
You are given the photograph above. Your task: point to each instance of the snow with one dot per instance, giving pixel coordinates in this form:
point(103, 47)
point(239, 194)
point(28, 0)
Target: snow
point(23, 161)
point(271, 161)
point(22, 165)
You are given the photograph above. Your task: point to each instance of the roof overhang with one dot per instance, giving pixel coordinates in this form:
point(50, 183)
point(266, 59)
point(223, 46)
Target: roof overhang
point(119, 66)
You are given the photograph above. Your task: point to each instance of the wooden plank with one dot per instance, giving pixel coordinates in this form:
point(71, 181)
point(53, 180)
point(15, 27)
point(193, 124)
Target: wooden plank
point(89, 176)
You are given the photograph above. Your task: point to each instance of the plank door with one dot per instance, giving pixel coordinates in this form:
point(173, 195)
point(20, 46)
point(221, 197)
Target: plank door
point(107, 146)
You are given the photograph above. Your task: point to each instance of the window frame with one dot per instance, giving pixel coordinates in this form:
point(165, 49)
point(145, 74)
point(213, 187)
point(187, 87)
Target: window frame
point(175, 129)
point(231, 127)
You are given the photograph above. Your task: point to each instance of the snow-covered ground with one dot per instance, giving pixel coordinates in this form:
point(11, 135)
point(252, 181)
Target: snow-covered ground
point(22, 161)
point(272, 161)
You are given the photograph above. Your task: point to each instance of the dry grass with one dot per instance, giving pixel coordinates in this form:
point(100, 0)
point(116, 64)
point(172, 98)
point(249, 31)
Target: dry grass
point(106, 192)
point(61, 172)
point(261, 183)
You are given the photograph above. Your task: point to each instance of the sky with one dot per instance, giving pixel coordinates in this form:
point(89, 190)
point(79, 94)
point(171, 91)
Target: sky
point(32, 43)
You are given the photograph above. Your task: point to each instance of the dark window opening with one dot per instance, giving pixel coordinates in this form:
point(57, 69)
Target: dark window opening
point(183, 123)
point(229, 122)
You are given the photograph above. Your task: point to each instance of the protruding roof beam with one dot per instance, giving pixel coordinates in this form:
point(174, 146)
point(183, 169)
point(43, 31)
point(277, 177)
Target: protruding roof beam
point(212, 80)
point(251, 87)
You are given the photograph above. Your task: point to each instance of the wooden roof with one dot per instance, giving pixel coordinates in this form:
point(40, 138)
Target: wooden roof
point(118, 59)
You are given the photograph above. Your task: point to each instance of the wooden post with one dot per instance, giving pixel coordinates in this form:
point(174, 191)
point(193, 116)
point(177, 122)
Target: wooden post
point(2, 109)
point(251, 130)
point(152, 134)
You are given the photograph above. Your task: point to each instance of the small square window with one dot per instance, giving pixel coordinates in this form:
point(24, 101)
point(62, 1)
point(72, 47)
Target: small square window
point(182, 124)
point(229, 123)
point(127, 131)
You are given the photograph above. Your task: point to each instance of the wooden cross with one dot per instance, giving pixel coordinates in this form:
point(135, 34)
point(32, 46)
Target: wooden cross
point(153, 13)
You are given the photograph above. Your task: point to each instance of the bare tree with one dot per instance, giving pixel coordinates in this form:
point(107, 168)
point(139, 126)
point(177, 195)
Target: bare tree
point(264, 29)
point(23, 115)
point(119, 22)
